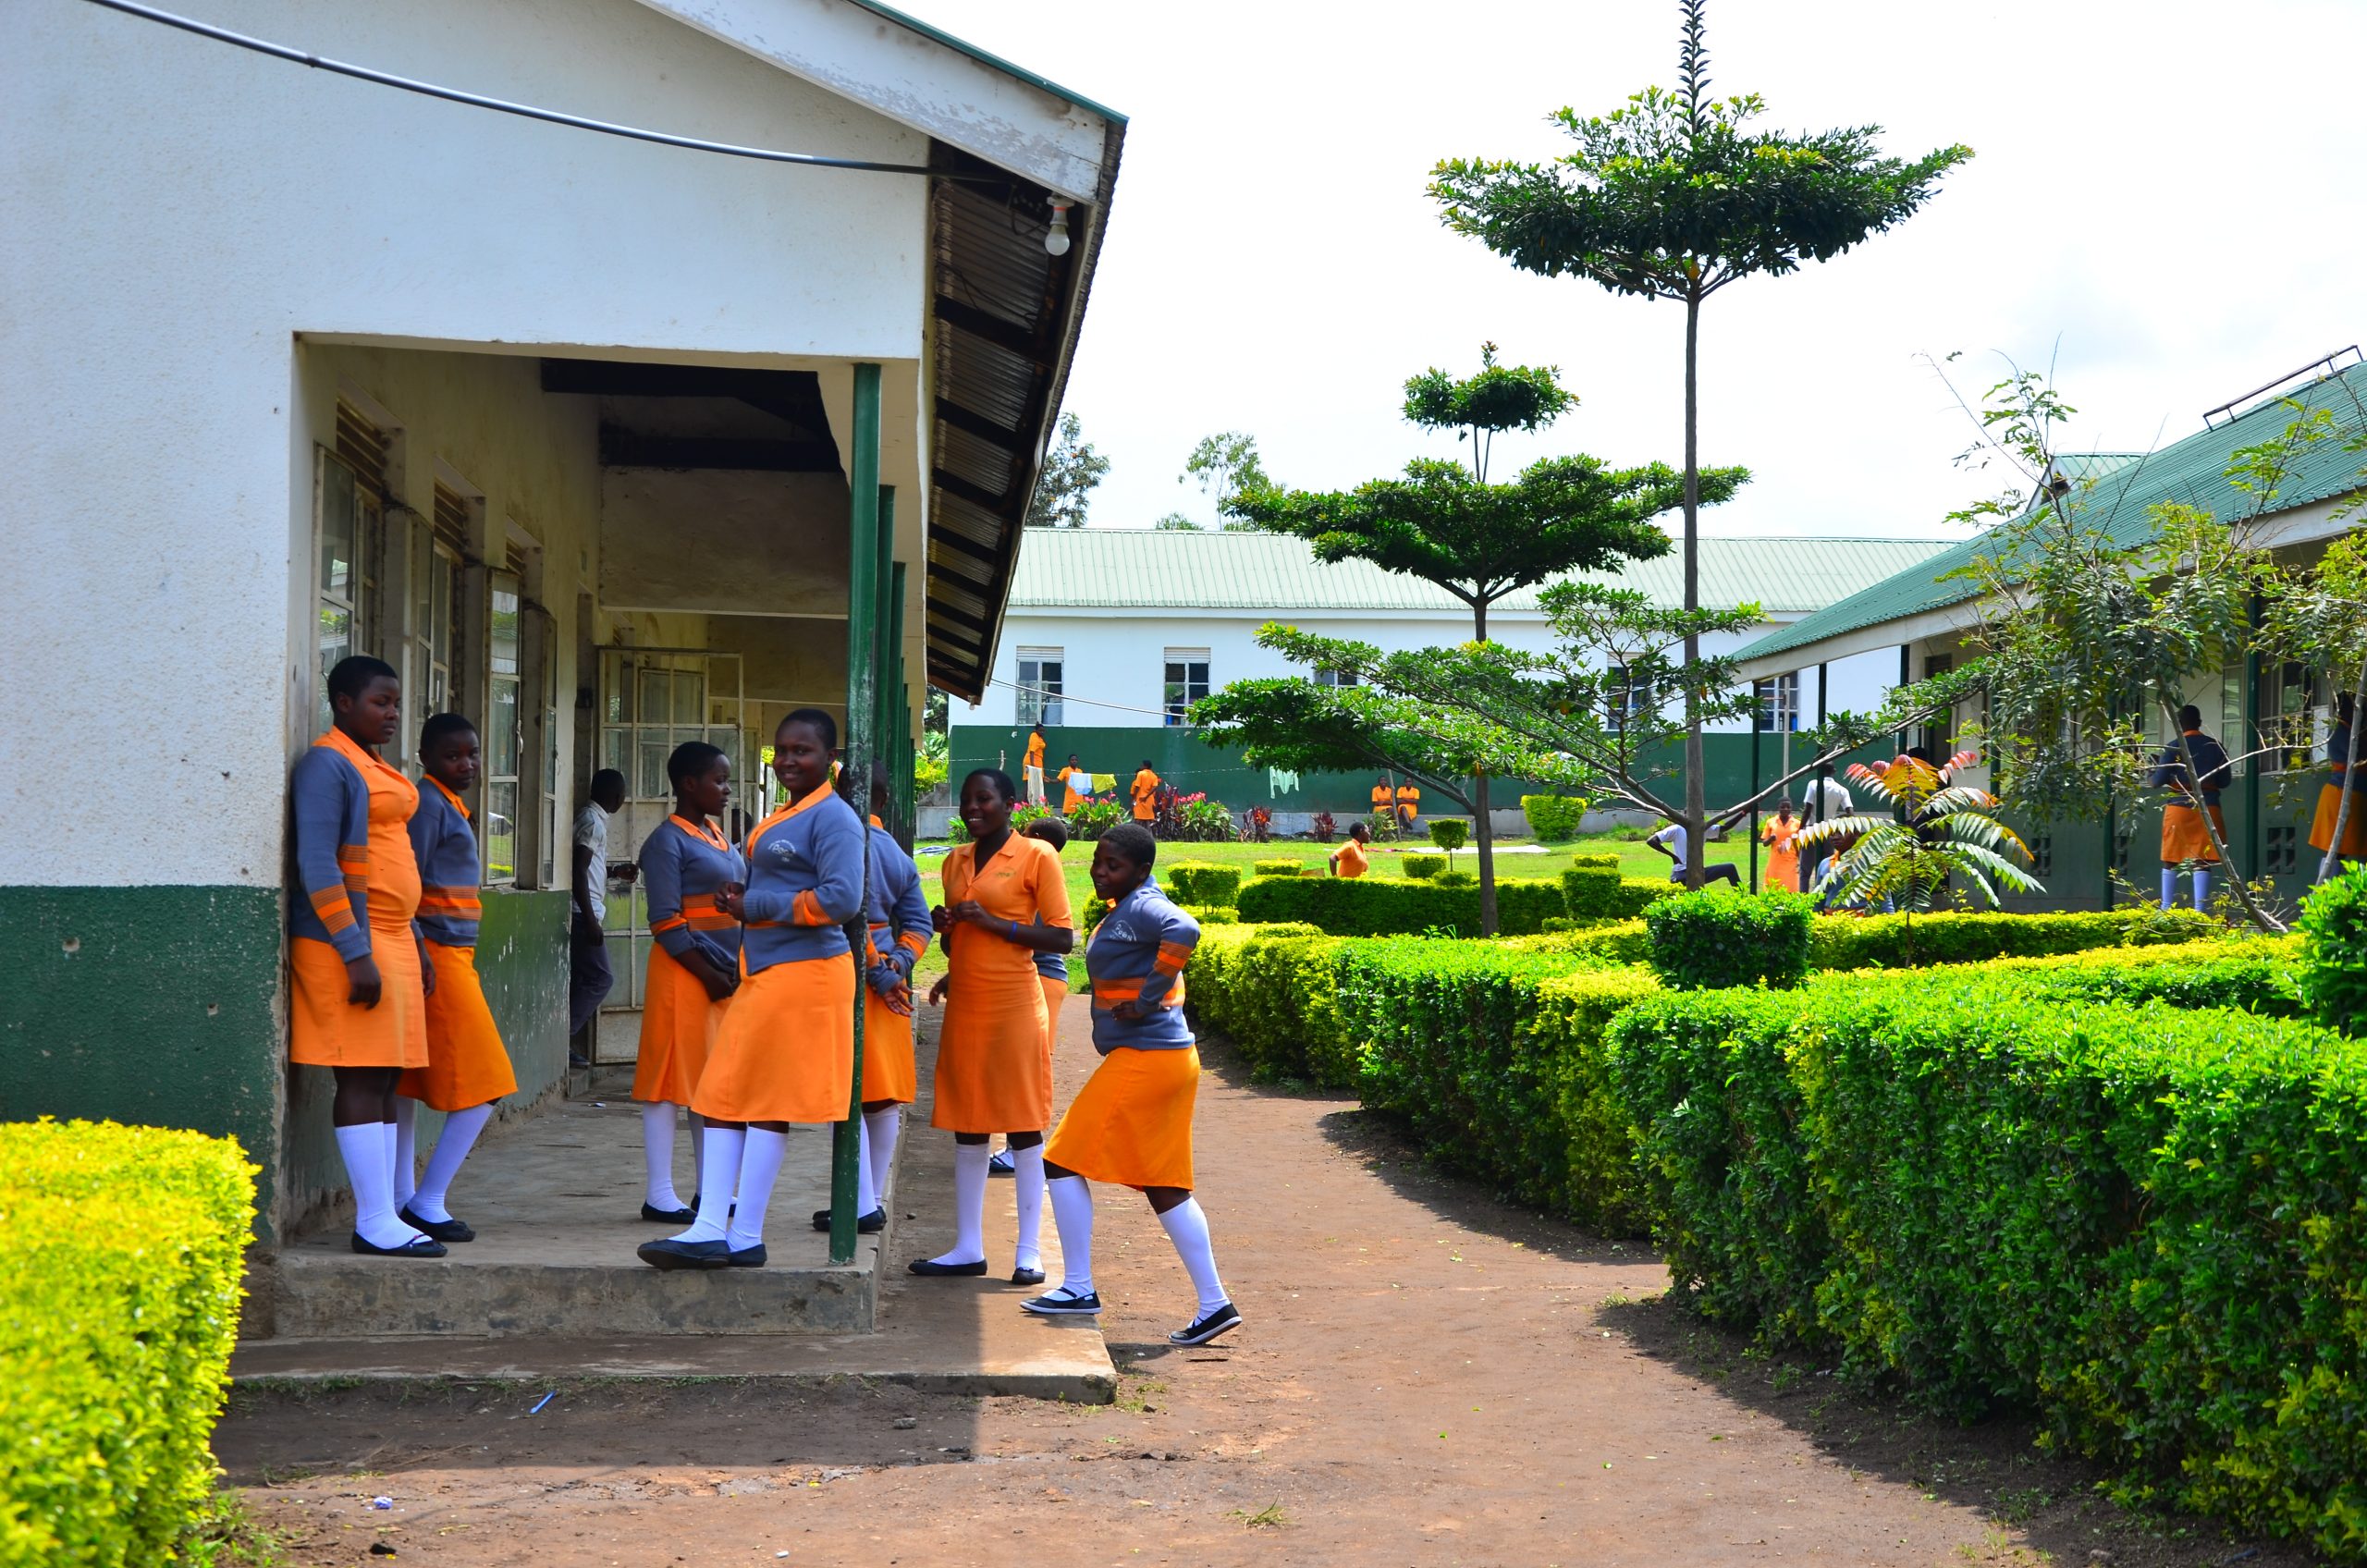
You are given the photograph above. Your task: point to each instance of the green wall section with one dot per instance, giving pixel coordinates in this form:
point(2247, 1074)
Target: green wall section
point(151, 1005)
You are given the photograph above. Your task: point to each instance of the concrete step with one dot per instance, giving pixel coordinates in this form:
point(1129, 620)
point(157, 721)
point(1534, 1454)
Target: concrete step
point(555, 1204)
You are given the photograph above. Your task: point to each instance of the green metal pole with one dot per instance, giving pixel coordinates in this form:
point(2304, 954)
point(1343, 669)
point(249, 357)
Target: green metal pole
point(860, 743)
point(883, 647)
point(902, 769)
point(1754, 778)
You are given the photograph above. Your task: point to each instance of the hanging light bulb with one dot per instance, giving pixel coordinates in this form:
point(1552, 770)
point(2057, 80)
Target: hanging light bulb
point(1057, 240)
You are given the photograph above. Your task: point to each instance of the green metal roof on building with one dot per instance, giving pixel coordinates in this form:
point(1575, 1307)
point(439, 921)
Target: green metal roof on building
point(1145, 570)
point(2122, 491)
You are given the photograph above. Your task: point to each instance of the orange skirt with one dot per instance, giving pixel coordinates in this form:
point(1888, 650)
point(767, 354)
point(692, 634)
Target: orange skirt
point(1132, 1123)
point(466, 1064)
point(786, 1049)
point(2354, 832)
point(679, 1025)
point(888, 1070)
point(1783, 871)
point(325, 1030)
point(993, 1071)
point(2183, 837)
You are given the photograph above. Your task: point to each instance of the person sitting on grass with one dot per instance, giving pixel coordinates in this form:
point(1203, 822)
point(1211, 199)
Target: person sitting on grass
point(1670, 842)
point(1350, 859)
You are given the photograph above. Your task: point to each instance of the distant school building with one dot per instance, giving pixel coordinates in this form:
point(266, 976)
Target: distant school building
point(580, 433)
point(1112, 634)
point(1913, 625)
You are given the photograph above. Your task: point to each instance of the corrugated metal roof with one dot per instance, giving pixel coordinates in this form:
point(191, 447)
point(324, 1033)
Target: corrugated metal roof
point(2192, 471)
point(1155, 570)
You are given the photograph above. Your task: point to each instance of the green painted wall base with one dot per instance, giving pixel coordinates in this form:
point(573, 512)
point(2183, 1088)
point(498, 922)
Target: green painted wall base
point(149, 1005)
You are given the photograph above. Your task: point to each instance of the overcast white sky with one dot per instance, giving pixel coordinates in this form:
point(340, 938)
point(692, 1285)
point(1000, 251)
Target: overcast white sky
point(2168, 199)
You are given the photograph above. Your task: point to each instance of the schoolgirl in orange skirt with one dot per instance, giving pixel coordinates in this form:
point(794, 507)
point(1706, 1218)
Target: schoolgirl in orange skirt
point(1132, 1123)
point(897, 930)
point(468, 1068)
point(1005, 901)
point(785, 1051)
point(2338, 776)
point(357, 976)
point(694, 964)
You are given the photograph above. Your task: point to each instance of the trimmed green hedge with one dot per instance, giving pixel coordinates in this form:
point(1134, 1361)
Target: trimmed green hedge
point(1270, 989)
point(1202, 883)
point(1494, 1057)
point(1553, 818)
point(1897, 941)
point(1421, 868)
point(117, 1308)
point(1596, 891)
point(1281, 867)
point(1717, 938)
point(2143, 1223)
point(2334, 930)
point(1367, 907)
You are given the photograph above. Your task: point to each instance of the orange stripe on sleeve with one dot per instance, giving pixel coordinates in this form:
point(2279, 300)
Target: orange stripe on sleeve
point(1172, 956)
point(671, 922)
point(806, 910)
point(914, 940)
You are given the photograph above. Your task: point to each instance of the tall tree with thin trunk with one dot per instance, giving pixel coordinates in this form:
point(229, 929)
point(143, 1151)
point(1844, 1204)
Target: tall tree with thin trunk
point(1673, 198)
point(1447, 523)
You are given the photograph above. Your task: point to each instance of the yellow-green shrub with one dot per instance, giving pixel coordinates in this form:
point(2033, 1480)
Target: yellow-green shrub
point(118, 1303)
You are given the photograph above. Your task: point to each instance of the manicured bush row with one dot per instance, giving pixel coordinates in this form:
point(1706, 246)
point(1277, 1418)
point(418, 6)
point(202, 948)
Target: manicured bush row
point(1493, 1056)
point(1279, 867)
point(1371, 908)
point(1421, 868)
point(2334, 931)
point(1201, 883)
point(117, 1307)
point(1553, 818)
point(1268, 988)
point(1894, 941)
point(2141, 1223)
point(1717, 936)
point(1210, 915)
point(1599, 892)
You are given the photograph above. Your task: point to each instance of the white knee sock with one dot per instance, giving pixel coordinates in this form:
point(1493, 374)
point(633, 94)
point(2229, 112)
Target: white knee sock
point(969, 1205)
point(867, 1194)
point(718, 1173)
point(368, 1150)
point(1028, 1165)
point(879, 1132)
point(759, 1169)
point(2201, 889)
point(1187, 1227)
point(657, 1157)
point(698, 1147)
point(460, 1135)
point(2169, 886)
point(1073, 1217)
point(406, 1160)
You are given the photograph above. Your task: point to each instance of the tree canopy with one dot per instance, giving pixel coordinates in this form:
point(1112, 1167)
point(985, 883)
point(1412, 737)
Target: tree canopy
point(1071, 470)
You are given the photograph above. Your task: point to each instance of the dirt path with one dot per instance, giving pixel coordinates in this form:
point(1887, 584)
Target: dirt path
point(1425, 1378)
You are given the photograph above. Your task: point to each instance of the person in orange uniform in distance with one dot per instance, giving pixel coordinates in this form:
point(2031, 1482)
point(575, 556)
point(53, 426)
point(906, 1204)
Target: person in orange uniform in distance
point(1034, 766)
point(357, 964)
point(1409, 805)
point(1782, 852)
point(1005, 901)
point(897, 932)
point(694, 966)
point(785, 1051)
point(1350, 859)
point(1145, 792)
point(468, 1068)
point(1075, 785)
point(1383, 800)
point(2338, 778)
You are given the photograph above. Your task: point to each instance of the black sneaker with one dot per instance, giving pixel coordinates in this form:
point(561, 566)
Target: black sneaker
point(1060, 1304)
point(1001, 1164)
point(1221, 1320)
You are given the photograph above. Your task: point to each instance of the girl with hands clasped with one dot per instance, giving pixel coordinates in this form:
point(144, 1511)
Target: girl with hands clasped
point(785, 1051)
point(688, 867)
point(1005, 901)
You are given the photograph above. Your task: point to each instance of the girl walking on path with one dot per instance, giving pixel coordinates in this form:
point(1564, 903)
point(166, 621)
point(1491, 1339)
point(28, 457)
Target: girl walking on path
point(1005, 901)
point(468, 1068)
point(358, 1004)
point(1783, 851)
point(686, 865)
point(786, 1048)
point(1132, 1123)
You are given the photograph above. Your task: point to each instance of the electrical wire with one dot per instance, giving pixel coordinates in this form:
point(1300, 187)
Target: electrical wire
point(525, 111)
point(1159, 714)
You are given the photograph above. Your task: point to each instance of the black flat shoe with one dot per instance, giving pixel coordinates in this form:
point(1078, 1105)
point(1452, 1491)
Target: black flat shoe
point(418, 1246)
point(671, 1253)
point(1223, 1320)
point(442, 1229)
point(746, 1258)
point(1060, 1304)
point(669, 1216)
point(929, 1268)
point(867, 1225)
point(1027, 1276)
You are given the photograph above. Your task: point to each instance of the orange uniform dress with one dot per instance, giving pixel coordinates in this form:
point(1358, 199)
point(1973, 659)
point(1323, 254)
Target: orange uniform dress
point(362, 893)
point(1353, 862)
point(2354, 831)
point(1130, 1123)
point(898, 935)
point(466, 1064)
point(683, 864)
point(786, 1049)
point(1071, 796)
point(1783, 854)
point(1145, 792)
point(994, 1069)
point(1409, 804)
point(1380, 800)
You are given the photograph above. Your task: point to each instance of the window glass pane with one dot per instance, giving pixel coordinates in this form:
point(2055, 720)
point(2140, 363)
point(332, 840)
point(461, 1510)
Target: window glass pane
point(615, 750)
point(504, 645)
point(690, 698)
point(501, 831)
point(650, 783)
point(336, 641)
point(339, 516)
point(501, 729)
point(652, 692)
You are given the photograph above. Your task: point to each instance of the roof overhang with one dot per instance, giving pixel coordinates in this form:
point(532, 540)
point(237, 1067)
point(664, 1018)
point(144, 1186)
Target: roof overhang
point(1005, 314)
point(1948, 621)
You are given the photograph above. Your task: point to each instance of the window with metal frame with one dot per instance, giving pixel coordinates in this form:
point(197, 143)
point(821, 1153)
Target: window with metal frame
point(1186, 682)
point(1335, 677)
point(1040, 685)
point(504, 726)
point(1779, 703)
point(349, 487)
